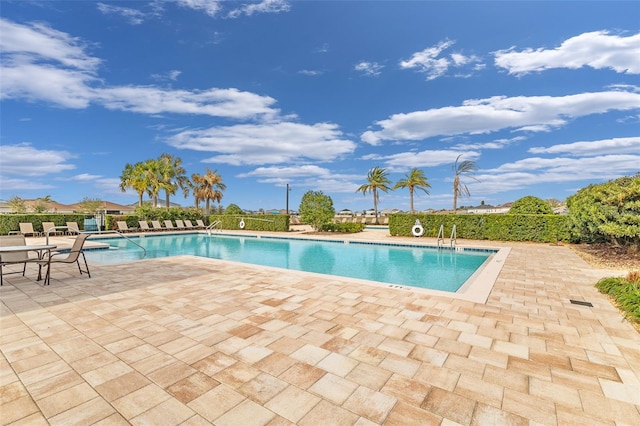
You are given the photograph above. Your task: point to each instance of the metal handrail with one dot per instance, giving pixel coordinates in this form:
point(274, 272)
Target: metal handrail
point(454, 236)
point(110, 231)
point(441, 235)
point(216, 224)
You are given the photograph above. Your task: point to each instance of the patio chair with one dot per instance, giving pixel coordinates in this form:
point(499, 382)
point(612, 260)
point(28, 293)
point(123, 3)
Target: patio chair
point(48, 228)
point(156, 225)
point(123, 227)
point(180, 224)
point(169, 225)
point(73, 256)
point(188, 224)
point(144, 226)
point(13, 258)
point(201, 224)
point(27, 229)
point(73, 228)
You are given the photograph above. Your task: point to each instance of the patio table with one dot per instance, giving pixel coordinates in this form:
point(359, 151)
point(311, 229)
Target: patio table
point(39, 248)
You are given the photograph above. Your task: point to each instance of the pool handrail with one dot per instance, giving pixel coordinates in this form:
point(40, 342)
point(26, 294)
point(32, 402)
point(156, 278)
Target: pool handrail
point(215, 225)
point(108, 231)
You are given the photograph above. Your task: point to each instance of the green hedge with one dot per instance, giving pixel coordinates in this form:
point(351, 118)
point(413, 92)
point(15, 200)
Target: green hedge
point(347, 227)
point(625, 293)
point(11, 222)
point(499, 227)
point(258, 222)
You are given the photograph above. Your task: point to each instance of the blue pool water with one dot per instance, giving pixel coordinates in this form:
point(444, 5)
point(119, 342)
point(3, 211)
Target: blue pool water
point(408, 265)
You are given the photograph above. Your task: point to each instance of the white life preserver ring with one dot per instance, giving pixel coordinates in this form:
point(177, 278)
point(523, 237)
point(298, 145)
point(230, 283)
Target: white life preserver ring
point(417, 229)
point(241, 224)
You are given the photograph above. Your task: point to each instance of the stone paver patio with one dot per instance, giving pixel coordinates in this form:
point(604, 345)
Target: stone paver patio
point(188, 341)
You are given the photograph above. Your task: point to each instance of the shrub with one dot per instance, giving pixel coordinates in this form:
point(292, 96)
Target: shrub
point(347, 227)
point(607, 212)
point(233, 209)
point(316, 209)
point(530, 205)
point(626, 295)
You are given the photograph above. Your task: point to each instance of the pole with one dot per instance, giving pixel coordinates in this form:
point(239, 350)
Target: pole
point(288, 198)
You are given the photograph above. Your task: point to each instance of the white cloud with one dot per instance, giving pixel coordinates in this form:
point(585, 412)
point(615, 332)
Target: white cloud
point(427, 60)
point(310, 73)
point(231, 103)
point(478, 116)
point(272, 143)
point(372, 69)
point(134, 16)
point(25, 160)
point(598, 49)
point(210, 7)
point(494, 144)
point(428, 158)
point(629, 145)
point(169, 75)
point(264, 6)
point(535, 171)
point(306, 177)
point(16, 184)
point(83, 177)
point(41, 64)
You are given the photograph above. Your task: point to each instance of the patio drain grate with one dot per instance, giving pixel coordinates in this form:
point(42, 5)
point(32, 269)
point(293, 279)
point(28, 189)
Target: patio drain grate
point(581, 302)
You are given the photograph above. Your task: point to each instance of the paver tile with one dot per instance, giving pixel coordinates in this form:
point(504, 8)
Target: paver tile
point(370, 404)
point(292, 403)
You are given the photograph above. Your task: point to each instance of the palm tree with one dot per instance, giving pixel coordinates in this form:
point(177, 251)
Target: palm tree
point(173, 177)
point(376, 180)
point(134, 177)
point(413, 180)
point(459, 188)
point(154, 179)
point(207, 187)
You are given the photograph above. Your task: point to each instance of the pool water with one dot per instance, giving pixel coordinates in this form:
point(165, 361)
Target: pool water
point(408, 265)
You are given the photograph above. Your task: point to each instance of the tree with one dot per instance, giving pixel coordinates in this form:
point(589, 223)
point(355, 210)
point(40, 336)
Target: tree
point(173, 177)
point(233, 209)
point(41, 204)
point(207, 187)
point(89, 205)
point(608, 211)
point(460, 189)
point(530, 205)
point(413, 180)
point(17, 204)
point(134, 177)
point(377, 180)
point(154, 178)
point(316, 209)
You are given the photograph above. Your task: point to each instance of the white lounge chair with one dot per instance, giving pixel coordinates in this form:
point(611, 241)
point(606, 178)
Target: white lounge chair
point(180, 224)
point(188, 224)
point(156, 225)
point(48, 228)
point(73, 228)
point(144, 226)
point(168, 225)
point(201, 224)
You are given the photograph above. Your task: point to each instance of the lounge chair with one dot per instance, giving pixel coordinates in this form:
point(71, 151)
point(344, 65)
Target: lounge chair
point(27, 229)
point(188, 224)
point(48, 228)
point(13, 258)
point(73, 228)
point(201, 224)
point(144, 226)
point(156, 225)
point(72, 256)
point(169, 225)
point(123, 227)
point(180, 224)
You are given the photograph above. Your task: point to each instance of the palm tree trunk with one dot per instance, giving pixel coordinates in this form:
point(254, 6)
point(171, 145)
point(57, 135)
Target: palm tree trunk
point(375, 204)
point(411, 198)
point(206, 210)
point(167, 202)
point(140, 199)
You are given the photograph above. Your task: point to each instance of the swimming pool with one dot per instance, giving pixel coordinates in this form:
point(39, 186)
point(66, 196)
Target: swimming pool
point(417, 266)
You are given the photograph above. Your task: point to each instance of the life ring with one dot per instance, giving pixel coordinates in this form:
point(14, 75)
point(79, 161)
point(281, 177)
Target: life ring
point(417, 229)
point(241, 224)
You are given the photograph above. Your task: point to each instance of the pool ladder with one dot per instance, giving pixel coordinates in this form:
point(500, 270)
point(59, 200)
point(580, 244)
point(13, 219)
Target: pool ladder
point(217, 225)
point(452, 240)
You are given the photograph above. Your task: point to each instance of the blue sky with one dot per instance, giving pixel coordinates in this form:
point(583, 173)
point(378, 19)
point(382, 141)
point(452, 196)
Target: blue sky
point(543, 96)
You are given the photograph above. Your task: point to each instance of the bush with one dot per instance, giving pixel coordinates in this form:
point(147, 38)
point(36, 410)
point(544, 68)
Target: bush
point(607, 212)
point(530, 205)
point(347, 227)
point(233, 209)
point(499, 227)
point(11, 222)
point(316, 209)
point(626, 295)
